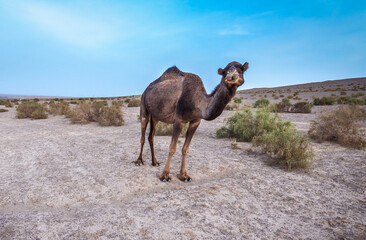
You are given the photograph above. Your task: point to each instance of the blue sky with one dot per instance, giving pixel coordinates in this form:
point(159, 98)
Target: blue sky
point(116, 48)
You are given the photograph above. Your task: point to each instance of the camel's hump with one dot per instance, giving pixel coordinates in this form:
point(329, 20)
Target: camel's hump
point(173, 70)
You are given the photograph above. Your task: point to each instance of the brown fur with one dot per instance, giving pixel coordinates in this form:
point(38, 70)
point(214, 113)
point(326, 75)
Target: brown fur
point(178, 97)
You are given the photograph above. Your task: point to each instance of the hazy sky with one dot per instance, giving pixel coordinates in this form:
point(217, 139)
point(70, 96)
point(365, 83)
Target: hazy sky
point(115, 48)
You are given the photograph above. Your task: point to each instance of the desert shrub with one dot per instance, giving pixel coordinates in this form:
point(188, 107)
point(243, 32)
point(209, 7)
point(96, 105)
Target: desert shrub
point(262, 102)
point(165, 129)
point(134, 102)
point(340, 126)
point(343, 93)
point(2, 102)
point(351, 100)
point(282, 95)
point(111, 116)
point(59, 108)
point(283, 106)
point(39, 113)
point(117, 103)
point(231, 107)
point(8, 104)
point(286, 144)
point(36, 100)
point(237, 100)
point(127, 100)
point(30, 109)
point(82, 113)
point(360, 94)
point(290, 97)
point(3, 110)
point(85, 112)
point(274, 136)
point(325, 100)
point(302, 107)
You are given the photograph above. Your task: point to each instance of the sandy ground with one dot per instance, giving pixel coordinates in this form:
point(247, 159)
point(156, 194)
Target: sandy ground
point(64, 181)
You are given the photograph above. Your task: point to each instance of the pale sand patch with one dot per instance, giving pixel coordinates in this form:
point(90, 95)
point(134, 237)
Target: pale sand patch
point(64, 181)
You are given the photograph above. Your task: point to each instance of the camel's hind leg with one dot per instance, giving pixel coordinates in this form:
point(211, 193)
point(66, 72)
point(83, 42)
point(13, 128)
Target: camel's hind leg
point(153, 123)
point(183, 176)
point(144, 121)
point(177, 128)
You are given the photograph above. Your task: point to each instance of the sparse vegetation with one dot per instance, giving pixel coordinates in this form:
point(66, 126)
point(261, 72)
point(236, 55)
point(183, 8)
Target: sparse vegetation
point(231, 107)
point(3, 110)
point(86, 112)
point(325, 100)
point(274, 136)
point(60, 108)
point(237, 100)
point(340, 126)
point(30, 109)
point(134, 102)
point(165, 129)
point(262, 102)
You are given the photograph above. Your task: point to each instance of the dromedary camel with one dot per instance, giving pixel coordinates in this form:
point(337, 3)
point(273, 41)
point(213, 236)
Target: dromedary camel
point(178, 97)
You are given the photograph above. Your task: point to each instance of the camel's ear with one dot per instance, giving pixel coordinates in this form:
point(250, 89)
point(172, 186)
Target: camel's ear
point(220, 71)
point(245, 66)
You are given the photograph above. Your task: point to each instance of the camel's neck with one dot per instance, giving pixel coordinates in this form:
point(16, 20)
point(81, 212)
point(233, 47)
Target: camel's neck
point(216, 102)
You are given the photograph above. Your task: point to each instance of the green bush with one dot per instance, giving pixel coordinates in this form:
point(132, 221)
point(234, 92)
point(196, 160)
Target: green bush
point(286, 144)
point(134, 102)
point(325, 100)
point(302, 107)
point(271, 134)
point(231, 107)
point(165, 129)
point(3, 110)
point(351, 100)
point(30, 109)
point(237, 100)
point(341, 126)
point(262, 102)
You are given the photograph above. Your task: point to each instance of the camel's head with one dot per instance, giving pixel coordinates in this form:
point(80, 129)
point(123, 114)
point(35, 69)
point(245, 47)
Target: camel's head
point(232, 74)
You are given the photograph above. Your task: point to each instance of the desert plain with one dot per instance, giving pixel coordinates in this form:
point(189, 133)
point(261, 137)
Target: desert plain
point(70, 181)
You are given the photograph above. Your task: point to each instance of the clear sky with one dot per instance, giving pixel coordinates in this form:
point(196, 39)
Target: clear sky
point(116, 48)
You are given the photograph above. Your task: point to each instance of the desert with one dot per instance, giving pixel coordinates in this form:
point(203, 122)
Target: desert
point(78, 181)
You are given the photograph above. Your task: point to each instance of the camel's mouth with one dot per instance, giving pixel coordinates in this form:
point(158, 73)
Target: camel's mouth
point(234, 81)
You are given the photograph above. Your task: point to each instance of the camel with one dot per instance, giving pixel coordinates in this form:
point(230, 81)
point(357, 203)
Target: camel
point(178, 98)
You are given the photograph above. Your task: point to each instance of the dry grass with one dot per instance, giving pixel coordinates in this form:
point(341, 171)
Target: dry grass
point(340, 126)
point(165, 129)
point(60, 108)
point(134, 102)
point(100, 112)
point(30, 109)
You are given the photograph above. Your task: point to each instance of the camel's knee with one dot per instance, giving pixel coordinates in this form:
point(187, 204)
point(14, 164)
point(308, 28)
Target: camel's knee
point(184, 150)
point(142, 140)
point(151, 139)
point(172, 150)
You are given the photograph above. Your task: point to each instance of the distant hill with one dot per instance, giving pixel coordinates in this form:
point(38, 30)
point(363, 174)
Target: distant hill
point(12, 96)
point(330, 84)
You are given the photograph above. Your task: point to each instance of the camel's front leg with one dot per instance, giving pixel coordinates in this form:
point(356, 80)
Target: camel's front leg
point(183, 176)
point(177, 128)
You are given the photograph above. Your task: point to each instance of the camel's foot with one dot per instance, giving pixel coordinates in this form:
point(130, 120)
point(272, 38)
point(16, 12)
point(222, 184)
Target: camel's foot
point(184, 177)
point(165, 177)
point(138, 162)
point(155, 163)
